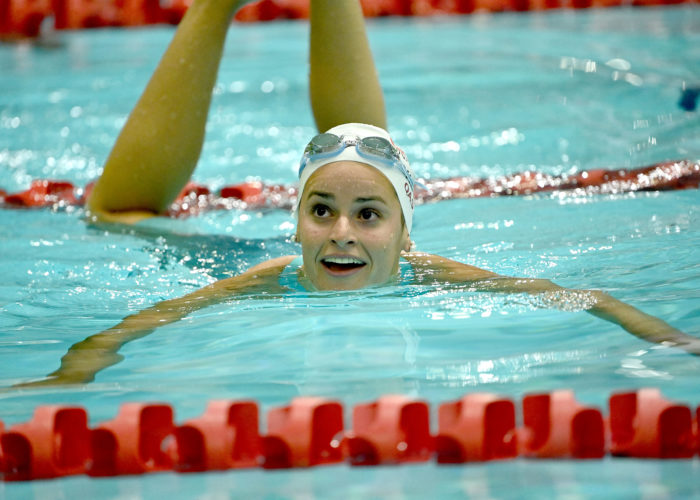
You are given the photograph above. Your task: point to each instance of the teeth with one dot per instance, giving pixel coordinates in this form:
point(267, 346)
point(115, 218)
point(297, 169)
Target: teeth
point(342, 260)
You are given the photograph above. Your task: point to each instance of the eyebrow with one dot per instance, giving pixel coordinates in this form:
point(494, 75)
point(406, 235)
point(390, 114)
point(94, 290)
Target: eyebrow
point(329, 196)
point(371, 198)
point(321, 194)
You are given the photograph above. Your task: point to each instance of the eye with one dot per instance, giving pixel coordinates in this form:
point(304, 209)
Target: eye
point(368, 214)
point(320, 210)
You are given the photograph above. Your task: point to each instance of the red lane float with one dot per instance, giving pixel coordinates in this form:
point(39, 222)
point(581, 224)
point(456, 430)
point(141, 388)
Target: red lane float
point(53, 443)
point(77, 14)
point(224, 437)
point(644, 424)
point(697, 430)
point(2, 458)
point(195, 198)
point(132, 443)
point(250, 192)
point(476, 428)
point(394, 429)
point(309, 431)
point(23, 18)
point(43, 193)
point(303, 434)
point(556, 425)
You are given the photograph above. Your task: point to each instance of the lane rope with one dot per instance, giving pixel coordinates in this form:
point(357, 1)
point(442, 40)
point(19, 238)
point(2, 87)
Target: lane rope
point(310, 431)
point(22, 19)
point(196, 198)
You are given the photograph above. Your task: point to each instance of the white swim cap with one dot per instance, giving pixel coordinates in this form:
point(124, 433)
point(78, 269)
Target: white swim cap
point(381, 154)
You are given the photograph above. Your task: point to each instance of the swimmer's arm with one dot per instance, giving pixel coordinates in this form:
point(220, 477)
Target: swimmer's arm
point(343, 81)
point(160, 144)
point(644, 326)
point(431, 269)
point(84, 359)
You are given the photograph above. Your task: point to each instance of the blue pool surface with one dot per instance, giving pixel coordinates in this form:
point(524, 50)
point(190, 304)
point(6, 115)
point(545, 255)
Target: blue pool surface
point(484, 95)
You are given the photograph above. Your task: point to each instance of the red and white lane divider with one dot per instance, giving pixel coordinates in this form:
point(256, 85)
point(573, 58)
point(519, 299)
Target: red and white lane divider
point(24, 18)
point(196, 198)
point(310, 431)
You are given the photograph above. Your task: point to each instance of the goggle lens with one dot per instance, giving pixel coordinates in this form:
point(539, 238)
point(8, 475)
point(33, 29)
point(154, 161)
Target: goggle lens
point(328, 144)
point(323, 143)
point(379, 146)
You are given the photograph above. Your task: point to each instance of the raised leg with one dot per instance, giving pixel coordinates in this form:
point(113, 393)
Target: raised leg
point(160, 144)
point(343, 81)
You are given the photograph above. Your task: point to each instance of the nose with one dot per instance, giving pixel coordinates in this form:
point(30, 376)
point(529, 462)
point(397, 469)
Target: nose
point(342, 232)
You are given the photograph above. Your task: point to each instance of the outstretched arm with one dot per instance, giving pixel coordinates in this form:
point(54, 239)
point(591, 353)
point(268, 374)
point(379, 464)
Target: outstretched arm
point(432, 268)
point(159, 146)
point(84, 359)
point(343, 81)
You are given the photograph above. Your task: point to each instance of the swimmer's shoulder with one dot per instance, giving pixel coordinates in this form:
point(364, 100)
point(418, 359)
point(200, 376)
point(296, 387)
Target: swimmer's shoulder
point(272, 266)
point(429, 268)
point(264, 275)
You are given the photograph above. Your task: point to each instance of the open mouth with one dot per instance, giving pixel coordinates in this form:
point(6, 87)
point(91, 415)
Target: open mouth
point(341, 265)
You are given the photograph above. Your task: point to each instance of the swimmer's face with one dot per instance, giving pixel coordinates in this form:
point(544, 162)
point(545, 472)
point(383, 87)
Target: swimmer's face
point(350, 227)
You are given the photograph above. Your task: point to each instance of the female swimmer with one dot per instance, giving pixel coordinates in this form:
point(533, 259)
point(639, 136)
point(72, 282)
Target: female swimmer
point(355, 206)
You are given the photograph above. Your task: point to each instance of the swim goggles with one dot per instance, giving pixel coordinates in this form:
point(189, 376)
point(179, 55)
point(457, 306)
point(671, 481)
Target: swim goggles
point(374, 149)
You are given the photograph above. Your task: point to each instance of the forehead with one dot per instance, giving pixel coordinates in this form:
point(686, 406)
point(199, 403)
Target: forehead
point(350, 179)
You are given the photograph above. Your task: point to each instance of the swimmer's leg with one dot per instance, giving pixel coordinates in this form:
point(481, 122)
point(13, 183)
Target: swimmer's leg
point(343, 80)
point(159, 146)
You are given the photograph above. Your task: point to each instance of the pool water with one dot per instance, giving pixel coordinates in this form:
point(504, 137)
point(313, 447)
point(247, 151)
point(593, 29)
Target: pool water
point(555, 92)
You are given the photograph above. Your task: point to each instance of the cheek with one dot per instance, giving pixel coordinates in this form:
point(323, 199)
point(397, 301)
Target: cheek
point(390, 240)
point(303, 227)
point(309, 235)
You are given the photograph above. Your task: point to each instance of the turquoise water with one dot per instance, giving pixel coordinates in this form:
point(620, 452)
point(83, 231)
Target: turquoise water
point(556, 92)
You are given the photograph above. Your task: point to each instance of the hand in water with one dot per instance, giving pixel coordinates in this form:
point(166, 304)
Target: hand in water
point(690, 345)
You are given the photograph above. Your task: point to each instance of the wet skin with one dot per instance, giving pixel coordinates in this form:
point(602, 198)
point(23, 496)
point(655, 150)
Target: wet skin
point(350, 227)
